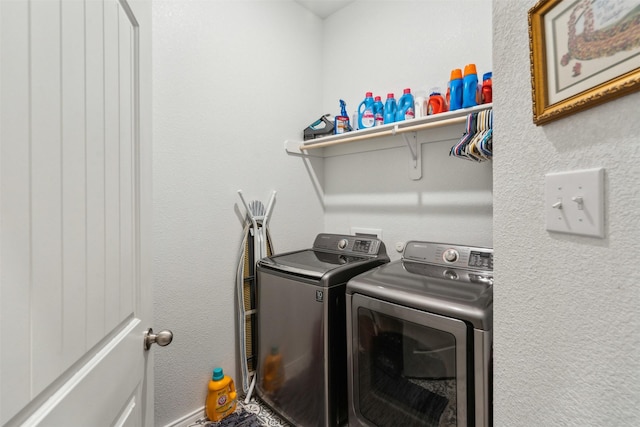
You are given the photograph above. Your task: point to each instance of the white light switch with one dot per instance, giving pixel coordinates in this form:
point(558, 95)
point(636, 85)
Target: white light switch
point(574, 202)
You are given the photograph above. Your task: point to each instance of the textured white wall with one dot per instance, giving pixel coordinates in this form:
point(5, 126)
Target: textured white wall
point(232, 81)
point(386, 46)
point(229, 89)
point(567, 330)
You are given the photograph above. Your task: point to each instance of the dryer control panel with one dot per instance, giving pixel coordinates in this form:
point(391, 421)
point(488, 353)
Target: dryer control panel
point(348, 244)
point(467, 257)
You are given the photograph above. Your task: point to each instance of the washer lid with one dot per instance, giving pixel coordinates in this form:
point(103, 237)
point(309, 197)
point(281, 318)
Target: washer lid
point(457, 293)
point(309, 263)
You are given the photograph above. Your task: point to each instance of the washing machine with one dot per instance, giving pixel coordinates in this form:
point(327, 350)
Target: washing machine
point(420, 339)
point(302, 347)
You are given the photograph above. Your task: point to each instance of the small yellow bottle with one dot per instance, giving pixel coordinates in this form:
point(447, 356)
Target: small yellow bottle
point(222, 397)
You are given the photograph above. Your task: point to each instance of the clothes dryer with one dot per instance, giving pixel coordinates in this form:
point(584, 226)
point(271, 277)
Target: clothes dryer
point(420, 339)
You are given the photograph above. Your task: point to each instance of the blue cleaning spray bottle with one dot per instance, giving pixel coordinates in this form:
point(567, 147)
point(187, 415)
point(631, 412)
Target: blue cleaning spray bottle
point(341, 122)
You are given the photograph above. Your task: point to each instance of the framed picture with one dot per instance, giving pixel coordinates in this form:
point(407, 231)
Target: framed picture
point(583, 53)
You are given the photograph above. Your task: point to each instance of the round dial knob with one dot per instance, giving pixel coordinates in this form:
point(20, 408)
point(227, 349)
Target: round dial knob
point(343, 243)
point(450, 255)
point(450, 274)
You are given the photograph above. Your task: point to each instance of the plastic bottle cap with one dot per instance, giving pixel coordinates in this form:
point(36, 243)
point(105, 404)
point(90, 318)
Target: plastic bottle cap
point(368, 95)
point(456, 74)
point(470, 69)
point(390, 95)
point(407, 90)
point(217, 374)
point(486, 76)
point(377, 98)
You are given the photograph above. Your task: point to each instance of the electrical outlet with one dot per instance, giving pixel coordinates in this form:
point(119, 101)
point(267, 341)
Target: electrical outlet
point(574, 202)
point(370, 231)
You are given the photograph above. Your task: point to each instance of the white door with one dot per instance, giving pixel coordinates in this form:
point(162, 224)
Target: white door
point(75, 199)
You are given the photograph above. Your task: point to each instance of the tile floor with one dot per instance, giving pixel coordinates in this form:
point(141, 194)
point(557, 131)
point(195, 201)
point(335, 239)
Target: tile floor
point(265, 416)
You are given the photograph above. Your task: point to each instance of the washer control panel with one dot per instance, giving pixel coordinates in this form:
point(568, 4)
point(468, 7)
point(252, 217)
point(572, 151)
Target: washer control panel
point(467, 257)
point(347, 244)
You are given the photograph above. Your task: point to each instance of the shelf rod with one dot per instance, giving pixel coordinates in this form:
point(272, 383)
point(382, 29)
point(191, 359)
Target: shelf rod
point(393, 131)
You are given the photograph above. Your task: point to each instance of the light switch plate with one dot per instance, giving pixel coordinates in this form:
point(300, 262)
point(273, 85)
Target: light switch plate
point(574, 202)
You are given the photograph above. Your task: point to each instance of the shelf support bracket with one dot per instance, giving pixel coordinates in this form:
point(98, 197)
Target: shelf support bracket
point(415, 160)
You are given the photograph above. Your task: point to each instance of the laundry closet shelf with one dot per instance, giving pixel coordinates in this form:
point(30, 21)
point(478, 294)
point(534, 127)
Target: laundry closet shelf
point(443, 126)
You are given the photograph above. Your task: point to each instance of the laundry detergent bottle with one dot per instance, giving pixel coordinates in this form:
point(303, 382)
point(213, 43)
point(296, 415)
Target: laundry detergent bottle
point(470, 86)
point(436, 103)
point(406, 106)
point(378, 111)
point(455, 90)
point(487, 88)
point(390, 108)
point(221, 397)
point(273, 376)
point(366, 119)
point(421, 99)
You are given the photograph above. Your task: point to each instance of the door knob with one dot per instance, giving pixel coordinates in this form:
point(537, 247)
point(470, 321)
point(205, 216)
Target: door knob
point(162, 338)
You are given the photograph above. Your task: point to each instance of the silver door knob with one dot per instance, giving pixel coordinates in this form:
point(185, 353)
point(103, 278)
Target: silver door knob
point(162, 338)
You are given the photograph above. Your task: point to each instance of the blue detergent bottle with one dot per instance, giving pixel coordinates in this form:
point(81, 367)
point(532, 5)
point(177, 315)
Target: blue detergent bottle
point(366, 119)
point(378, 111)
point(455, 90)
point(390, 108)
point(470, 86)
point(406, 105)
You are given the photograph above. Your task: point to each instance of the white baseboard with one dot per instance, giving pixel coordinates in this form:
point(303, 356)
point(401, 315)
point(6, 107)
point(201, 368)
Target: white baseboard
point(187, 419)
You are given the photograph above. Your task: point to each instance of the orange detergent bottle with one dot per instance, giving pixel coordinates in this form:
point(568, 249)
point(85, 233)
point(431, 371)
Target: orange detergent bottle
point(487, 88)
point(436, 103)
point(273, 371)
point(222, 397)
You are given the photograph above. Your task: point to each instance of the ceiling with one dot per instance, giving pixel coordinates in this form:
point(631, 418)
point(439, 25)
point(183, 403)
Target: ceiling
point(323, 8)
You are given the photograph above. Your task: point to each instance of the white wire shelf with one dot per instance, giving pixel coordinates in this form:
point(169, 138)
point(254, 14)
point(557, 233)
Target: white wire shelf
point(435, 128)
point(450, 118)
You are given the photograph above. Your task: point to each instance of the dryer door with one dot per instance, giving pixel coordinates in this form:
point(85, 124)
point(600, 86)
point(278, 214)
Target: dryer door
point(407, 367)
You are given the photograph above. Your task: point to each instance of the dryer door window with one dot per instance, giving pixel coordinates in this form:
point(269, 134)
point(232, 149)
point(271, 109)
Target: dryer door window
point(409, 366)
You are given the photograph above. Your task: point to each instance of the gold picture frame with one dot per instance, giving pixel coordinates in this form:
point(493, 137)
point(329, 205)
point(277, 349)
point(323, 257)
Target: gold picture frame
point(583, 53)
